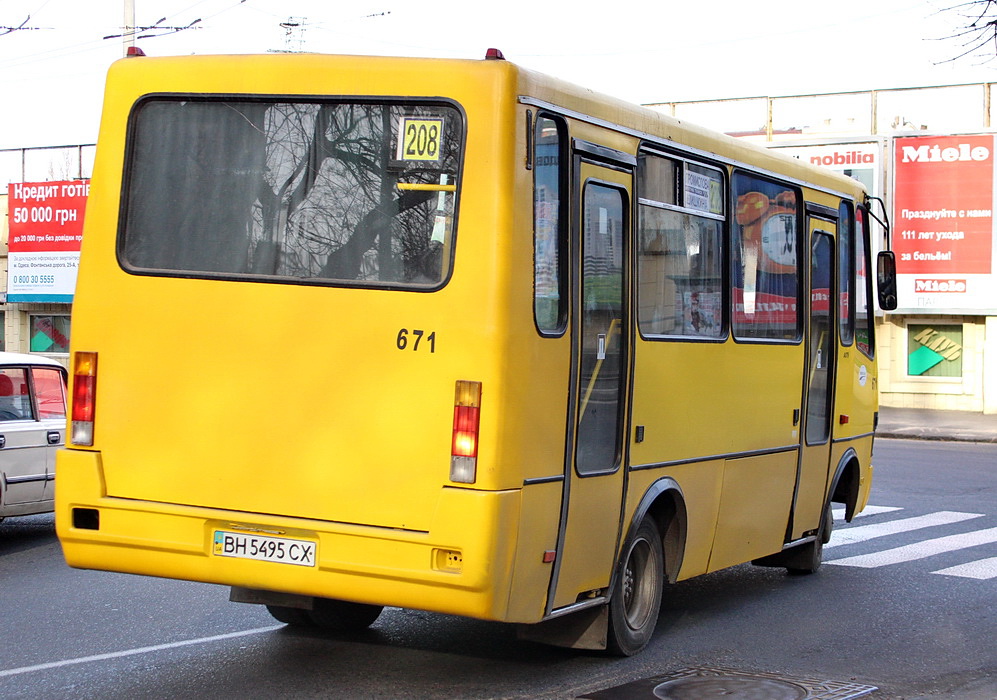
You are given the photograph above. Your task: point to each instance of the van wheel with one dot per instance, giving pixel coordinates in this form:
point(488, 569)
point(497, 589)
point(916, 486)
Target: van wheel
point(636, 598)
point(290, 616)
point(343, 616)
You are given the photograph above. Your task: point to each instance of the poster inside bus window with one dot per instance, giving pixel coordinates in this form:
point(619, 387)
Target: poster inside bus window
point(765, 269)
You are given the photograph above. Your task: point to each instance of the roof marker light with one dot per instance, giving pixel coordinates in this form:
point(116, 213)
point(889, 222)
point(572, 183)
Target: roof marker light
point(494, 55)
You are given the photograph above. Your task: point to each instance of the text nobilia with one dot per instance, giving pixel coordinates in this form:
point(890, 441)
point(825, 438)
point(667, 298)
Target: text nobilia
point(937, 154)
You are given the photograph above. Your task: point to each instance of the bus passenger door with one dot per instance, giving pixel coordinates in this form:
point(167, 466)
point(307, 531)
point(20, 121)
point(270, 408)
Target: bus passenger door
point(819, 401)
point(594, 453)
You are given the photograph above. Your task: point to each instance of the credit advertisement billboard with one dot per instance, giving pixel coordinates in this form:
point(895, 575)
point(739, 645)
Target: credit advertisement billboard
point(943, 224)
point(46, 228)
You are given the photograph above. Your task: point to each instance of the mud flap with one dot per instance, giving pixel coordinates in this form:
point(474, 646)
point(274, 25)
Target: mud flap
point(585, 629)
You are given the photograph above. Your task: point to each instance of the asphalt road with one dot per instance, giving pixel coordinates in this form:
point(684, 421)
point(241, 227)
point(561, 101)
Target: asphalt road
point(904, 603)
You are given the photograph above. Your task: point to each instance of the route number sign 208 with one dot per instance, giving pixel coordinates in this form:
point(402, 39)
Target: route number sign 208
point(420, 139)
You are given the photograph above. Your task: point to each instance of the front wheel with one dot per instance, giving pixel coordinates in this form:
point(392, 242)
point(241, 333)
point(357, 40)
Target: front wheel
point(636, 598)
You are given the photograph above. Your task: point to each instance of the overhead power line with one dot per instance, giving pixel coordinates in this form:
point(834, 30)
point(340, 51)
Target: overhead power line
point(157, 29)
point(19, 28)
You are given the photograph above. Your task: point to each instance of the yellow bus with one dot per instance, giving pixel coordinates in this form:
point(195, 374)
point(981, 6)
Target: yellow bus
point(452, 335)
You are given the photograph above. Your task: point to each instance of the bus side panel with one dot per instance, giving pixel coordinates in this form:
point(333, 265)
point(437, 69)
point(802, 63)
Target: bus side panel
point(697, 400)
point(700, 484)
point(540, 516)
point(753, 508)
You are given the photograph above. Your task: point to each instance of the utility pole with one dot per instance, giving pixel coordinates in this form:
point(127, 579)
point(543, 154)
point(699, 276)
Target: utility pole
point(128, 35)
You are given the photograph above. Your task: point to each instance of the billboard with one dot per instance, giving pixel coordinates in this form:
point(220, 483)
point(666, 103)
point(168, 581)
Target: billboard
point(859, 160)
point(943, 224)
point(46, 227)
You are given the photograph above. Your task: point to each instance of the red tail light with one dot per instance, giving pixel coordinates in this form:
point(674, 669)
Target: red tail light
point(464, 442)
point(84, 398)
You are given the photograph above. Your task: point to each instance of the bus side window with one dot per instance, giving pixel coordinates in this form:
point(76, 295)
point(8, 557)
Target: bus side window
point(846, 273)
point(680, 253)
point(550, 220)
point(864, 316)
point(765, 269)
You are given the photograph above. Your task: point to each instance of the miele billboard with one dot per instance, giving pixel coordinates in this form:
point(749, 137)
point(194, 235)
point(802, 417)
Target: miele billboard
point(943, 223)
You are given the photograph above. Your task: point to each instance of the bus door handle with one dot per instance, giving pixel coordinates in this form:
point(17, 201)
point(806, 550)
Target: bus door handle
point(796, 416)
point(601, 354)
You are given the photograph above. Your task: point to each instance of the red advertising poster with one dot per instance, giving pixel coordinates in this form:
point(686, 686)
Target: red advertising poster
point(46, 228)
point(943, 224)
point(943, 200)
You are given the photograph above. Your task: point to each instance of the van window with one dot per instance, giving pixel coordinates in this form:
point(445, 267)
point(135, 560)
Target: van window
point(358, 193)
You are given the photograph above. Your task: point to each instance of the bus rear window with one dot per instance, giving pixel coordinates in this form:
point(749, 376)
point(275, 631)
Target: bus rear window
point(350, 193)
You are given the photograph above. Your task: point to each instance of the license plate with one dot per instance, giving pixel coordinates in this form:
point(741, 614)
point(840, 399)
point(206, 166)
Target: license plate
point(282, 550)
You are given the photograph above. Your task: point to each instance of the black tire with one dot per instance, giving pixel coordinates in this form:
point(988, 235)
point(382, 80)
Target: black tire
point(295, 617)
point(343, 616)
point(636, 598)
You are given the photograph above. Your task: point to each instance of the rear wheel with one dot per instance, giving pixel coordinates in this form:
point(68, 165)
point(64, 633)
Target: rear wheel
point(343, 616)
point(290, 616)
point(636, 598)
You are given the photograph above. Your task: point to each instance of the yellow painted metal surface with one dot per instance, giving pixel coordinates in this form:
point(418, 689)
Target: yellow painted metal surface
point(291, 407)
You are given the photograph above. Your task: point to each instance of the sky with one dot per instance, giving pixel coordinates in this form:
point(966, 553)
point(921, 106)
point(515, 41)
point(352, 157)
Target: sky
point(52, 66)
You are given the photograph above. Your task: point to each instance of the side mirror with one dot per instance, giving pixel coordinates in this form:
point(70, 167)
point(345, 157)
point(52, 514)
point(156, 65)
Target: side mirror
point(886, 280)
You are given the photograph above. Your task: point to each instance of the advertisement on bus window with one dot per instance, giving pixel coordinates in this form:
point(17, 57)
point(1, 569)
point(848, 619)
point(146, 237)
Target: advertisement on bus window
point(943, 224)
point(46, 228)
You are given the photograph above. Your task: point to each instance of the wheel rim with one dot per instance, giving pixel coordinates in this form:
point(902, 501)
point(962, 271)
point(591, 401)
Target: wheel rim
point(639, 584)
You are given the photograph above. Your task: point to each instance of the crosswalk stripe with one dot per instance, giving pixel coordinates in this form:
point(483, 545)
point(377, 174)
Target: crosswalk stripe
point(861, 533)
point(982, 569)
point(920, 550)
point(839, 511)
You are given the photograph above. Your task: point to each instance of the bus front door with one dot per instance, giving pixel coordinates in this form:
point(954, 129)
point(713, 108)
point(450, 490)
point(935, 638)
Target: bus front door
point(594, 473)
point(812, 478)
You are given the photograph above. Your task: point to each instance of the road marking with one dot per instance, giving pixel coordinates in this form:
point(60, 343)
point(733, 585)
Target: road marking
point(862, 533)
point(133, 652)
point(839, 511)
point(983, 569)
point(920, 550)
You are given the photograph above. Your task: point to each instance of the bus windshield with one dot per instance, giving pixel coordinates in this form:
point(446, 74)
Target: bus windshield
point(354, 193)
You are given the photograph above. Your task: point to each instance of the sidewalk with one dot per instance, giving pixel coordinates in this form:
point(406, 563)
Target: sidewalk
point(925, 424)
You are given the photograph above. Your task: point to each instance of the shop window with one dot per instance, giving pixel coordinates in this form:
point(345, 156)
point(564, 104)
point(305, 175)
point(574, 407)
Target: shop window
point(934, 350)
point(50, 334)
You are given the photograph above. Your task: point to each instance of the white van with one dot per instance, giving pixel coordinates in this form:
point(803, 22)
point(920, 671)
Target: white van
point(32, 428)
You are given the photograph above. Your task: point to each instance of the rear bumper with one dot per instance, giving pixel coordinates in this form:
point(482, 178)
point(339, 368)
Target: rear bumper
point(462, 566)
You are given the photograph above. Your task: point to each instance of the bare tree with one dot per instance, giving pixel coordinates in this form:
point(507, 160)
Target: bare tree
point(976, 29)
